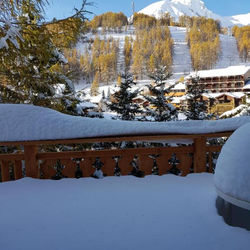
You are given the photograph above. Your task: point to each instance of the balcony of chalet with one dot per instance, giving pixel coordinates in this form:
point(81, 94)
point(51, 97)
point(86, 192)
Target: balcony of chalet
point(48, 201)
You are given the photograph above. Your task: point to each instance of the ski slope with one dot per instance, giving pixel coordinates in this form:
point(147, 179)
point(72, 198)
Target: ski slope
point(181, 57)
point(229, 53)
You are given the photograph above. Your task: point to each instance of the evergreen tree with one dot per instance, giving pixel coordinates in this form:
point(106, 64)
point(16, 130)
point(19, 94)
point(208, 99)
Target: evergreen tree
point(196, 107)
point(95, 85)
point(31, 66)
point(123, 99)
point(162, 109)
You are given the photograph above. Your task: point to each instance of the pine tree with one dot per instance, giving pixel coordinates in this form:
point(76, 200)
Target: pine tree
point(95, 85)
point(196, 107)
point(123, 99)
point(30, 64)
point(162, 109)
point(119, 80)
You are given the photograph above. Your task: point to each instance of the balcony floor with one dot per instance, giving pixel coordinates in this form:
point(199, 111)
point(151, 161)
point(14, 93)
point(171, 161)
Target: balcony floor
point(166, 212)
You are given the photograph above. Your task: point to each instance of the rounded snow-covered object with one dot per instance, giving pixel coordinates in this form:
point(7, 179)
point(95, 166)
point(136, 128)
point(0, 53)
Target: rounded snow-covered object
point(232, 173)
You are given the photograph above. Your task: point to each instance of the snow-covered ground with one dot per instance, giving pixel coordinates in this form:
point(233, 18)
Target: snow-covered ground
point(181, 56)
point(229, 52)
point(121, 213)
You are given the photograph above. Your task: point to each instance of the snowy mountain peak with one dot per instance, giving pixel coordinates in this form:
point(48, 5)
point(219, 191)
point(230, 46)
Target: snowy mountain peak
point(177, 8)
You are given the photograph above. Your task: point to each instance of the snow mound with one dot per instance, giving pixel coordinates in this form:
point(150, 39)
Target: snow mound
point(21, 122)
point(232, 172)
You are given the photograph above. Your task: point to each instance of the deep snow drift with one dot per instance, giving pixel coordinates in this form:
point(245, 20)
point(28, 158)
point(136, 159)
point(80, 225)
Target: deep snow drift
point(20, 122)
point(121, 213)
point(232, 173)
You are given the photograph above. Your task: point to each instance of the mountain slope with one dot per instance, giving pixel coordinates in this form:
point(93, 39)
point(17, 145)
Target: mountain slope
point(229, 53)
point(181, 57)
point(177, 8)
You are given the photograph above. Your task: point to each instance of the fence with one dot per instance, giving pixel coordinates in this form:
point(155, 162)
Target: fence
point(31, 161)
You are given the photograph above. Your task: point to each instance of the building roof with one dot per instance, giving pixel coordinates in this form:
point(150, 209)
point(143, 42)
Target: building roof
point(229, 71)
point(236, 95)
point(179, 86)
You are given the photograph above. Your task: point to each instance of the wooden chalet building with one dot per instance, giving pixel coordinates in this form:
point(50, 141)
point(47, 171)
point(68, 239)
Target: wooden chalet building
point(231, 79)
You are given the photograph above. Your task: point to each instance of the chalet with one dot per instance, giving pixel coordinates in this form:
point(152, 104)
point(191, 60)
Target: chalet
point(219, 103)
point(231, 79)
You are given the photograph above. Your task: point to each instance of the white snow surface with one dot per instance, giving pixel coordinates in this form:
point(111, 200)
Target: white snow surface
point(182, 64)
point(243, 19)
point(121, 213)
point(21, 122)
point(177, 8)
point(229, 53)
point(232, 173)
point(229, 71)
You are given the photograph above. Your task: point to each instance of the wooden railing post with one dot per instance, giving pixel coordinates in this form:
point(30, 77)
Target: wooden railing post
point(200, 155)
point(5, 171)
point(18, 170)
point(31, 163)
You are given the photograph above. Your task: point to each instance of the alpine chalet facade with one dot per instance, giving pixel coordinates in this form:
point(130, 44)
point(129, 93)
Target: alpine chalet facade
point(231, 79)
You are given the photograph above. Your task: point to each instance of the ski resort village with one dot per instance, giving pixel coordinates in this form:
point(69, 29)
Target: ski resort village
point(124, 125)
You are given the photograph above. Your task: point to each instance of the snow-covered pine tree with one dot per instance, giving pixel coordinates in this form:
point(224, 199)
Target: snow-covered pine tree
point(196, 107)
point(162, 109)
point(123, 99)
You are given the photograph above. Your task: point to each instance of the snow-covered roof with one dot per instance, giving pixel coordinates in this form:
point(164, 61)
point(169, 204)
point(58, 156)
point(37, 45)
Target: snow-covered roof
point(231, 94)
point(176, 100)
point(212, 95)
point(229, 71)
point(235, 94)
point(179, 86)
point(20, 122)
point(232, 171)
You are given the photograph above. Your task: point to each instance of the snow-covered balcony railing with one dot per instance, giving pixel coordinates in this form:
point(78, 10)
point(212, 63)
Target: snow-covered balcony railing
point(31, 130)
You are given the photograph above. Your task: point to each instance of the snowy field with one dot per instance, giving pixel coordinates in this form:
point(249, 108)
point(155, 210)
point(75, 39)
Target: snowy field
point(166, 212)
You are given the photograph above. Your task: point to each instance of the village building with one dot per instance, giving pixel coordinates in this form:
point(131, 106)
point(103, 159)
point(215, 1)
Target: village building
point(218, 103)
point(230, 79)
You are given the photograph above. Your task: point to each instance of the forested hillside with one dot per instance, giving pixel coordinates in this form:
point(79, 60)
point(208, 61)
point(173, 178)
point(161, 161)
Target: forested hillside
point(204, 42)
point(242, 35)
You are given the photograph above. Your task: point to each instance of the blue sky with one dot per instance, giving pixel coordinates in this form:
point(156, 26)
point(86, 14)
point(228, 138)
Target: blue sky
point(63, 8)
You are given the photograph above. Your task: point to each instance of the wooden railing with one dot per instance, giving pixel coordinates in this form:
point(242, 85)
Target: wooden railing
point(32, 161)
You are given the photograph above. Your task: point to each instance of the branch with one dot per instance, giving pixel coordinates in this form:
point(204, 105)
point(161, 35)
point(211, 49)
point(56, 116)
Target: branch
point(78, 14)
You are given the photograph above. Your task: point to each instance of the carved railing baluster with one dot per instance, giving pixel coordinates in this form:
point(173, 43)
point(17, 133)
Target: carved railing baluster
point(78, 171)
point(155, 168)
point(163, 164)
point(174, 161)
point(97, 165)
point(135, 167)
point(58, 168)
point(117, 170)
